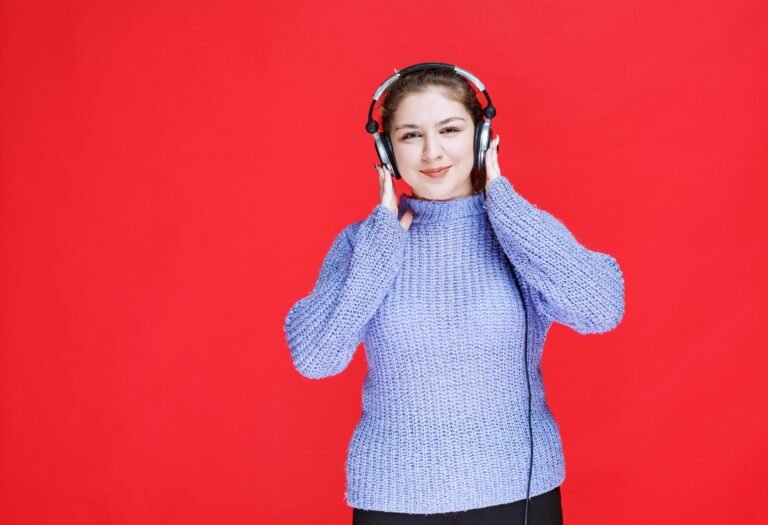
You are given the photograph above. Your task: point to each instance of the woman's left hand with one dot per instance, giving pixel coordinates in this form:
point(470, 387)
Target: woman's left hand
point(492, 170)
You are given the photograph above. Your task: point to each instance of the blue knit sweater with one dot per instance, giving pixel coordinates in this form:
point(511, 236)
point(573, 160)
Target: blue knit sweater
point(444, 423)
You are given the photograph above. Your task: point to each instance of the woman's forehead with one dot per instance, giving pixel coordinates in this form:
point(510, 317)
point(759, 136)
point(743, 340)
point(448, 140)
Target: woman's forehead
point(428, 108)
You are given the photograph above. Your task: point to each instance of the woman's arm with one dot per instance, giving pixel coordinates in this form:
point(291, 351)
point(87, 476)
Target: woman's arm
point(580, 288)
point(324, 329)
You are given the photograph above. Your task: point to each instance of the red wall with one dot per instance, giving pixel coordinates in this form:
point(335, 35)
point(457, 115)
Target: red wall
point(172, 174)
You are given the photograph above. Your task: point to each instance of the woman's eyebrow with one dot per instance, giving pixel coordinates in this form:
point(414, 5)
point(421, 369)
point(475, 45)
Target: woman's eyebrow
point(439, 123)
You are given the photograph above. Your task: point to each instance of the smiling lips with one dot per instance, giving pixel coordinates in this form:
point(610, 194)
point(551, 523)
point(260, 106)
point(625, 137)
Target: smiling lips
point(436, 172)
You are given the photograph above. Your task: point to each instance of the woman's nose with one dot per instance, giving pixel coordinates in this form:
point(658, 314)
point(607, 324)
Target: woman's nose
point(432, 148)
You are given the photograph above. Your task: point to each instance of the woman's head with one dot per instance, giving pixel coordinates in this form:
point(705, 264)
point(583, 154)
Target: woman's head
point(415, 115)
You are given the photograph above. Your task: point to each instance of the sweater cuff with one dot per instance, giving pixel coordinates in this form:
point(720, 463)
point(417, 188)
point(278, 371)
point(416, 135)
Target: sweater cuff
point(381, 238)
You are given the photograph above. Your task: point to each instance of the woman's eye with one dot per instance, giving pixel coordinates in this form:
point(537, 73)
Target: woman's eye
point(408, 135)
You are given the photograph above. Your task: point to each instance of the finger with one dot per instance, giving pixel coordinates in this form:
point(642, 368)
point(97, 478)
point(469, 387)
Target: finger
point(493, 163)
point(387, 186)
point(388, 175)
point(382, 184)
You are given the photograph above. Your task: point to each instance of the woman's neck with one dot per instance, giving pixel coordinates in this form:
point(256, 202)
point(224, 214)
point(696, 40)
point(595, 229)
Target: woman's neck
point(432, 210)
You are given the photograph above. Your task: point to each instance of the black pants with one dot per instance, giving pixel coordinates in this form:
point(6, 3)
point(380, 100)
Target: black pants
point(544, 509)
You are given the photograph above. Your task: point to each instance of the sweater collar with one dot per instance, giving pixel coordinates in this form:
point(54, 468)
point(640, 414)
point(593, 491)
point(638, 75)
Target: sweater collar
point(425, 210)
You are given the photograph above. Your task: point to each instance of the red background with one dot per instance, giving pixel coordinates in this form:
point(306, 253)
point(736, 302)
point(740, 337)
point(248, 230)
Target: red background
point(174, 172)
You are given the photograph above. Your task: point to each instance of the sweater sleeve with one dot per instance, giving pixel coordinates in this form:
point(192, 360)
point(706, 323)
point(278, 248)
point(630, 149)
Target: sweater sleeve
point(324, 329)
point(580, 288)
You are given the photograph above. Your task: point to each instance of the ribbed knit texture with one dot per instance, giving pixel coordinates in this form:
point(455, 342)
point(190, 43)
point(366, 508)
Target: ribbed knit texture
point(444, 423)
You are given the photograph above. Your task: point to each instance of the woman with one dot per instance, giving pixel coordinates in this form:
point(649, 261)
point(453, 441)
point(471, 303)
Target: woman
point(452, 291)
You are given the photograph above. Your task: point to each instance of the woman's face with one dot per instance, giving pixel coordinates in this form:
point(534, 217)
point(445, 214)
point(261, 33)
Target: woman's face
point(432, 131)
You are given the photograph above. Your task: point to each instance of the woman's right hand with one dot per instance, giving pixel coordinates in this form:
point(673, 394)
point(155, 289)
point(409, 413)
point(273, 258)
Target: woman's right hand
point(389, 198)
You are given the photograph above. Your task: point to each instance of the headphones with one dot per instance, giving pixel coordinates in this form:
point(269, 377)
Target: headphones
point(483, 132)
point(482, 141)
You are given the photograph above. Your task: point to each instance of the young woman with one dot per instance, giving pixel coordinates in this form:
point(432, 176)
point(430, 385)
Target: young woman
point(452, 291)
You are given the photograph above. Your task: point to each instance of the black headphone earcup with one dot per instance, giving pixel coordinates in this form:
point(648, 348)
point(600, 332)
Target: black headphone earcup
point(481, 145)
point(487, 146)
point(390, 154)
point(479, 162)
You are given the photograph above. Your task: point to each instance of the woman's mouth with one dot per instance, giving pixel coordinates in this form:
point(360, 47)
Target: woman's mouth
point(436, 173)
